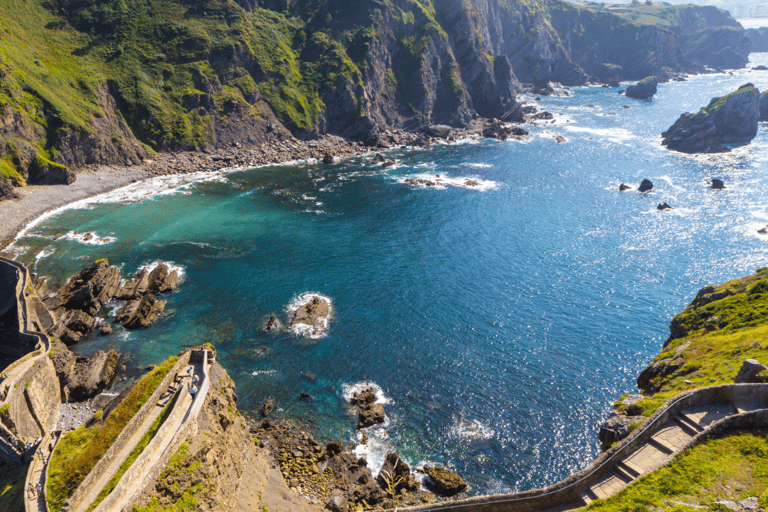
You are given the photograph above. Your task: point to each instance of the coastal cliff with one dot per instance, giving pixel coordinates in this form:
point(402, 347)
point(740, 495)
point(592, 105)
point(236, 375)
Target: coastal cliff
point(122, 83)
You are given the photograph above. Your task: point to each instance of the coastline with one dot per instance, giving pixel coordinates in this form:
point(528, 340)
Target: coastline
point(36, 201)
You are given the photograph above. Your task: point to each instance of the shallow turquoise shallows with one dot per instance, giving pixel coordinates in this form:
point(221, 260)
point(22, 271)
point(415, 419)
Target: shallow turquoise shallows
point(500, 320)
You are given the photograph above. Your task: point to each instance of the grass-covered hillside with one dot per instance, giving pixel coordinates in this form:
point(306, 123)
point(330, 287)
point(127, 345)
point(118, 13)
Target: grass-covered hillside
point(710, 339)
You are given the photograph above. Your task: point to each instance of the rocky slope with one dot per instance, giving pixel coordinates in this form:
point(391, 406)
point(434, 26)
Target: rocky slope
point(711, 342)
point(167, 75)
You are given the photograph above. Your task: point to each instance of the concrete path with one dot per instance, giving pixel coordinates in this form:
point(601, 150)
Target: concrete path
point(88, 495)
point(170, 435)
point(35, 489)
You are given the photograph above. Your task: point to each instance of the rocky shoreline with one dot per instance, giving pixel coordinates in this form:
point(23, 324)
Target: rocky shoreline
point(33, 201)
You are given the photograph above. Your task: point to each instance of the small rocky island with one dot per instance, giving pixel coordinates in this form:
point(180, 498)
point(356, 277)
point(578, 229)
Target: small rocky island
point(730, 119)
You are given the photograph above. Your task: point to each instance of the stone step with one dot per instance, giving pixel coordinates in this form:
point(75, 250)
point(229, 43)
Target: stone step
point(663, 444)
point(587, 496)
point(629, 465)
point(626, 472)
point(687, 424)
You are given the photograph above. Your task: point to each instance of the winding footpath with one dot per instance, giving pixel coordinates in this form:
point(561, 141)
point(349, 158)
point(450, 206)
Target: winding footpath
point(682, 422)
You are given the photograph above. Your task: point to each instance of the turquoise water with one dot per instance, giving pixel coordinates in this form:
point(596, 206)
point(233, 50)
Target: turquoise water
point(500, 321)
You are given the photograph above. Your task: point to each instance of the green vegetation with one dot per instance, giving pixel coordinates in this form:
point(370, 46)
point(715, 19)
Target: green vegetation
point(721, 328)
point(733, 467)
point(12, 477)
point(181, 463)
point(716, 103)
point(79, 451)
point(135, 453)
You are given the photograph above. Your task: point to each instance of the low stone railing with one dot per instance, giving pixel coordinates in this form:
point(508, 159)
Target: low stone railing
point(570, 489)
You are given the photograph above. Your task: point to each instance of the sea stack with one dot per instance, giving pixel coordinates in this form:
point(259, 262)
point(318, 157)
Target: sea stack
point(644, 89)
point(730, 119)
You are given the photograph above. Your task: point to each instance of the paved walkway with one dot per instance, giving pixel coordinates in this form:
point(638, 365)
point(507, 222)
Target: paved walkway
point(146, 466)
point(35, 490)
point(104, 474)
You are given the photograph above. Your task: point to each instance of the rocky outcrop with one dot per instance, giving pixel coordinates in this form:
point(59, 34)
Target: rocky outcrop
point(616, 428)
point(645, 185)
point(643, 89)
point(83, 377)
point(89, 290)
point(444, 482)
point(313, 315)
point(395, 476)
point(717, 184)
point(162, 280)
point(136, 287)
point(368, 412)
point(140, 313)
point(730, 119)
point(758, 38)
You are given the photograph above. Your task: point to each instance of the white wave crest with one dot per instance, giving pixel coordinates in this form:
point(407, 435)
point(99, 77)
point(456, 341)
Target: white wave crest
point(88, 238)
point(441, 182)
point(350, 390)
point(318, 330)
point(374, 449)
point(44, 254)
point(181, 271)
point(470, 430)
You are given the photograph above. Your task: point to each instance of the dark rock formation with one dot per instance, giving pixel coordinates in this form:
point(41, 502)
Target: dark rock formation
point(140, 313)
point(45, 172)
point(502, 131)
point(616, 428)
point(664, 206)
point(73, 325)
point(136, 287)
point(267, 407)
point(717, 184)
point(328, 159)
point(378, 159)
point(395, 476)
point(83, 377)
point(763, 231)
point(89, 290)
point(758, 38)
point(444, 482)
point(730, 119)
point(559, 139)
point(650, 378)
point(643, 89)
point(624, 187)
point(313, 314)
point(645, 185)
point(368, 412)
point(760, 68)
point(161, 280)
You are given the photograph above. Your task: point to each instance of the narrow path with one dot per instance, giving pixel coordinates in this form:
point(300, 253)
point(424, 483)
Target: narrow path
point(34, 487)
point(669, 432)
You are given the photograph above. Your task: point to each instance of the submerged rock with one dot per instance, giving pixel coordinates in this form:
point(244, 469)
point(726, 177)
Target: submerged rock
point(730, 119)
point(643, 89)
point(273, 324)
point(444, 482)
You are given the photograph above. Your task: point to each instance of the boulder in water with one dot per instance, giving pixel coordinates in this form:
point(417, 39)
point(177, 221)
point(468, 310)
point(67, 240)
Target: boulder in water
point(624, 187)
point(644, 89)
point(313, 314)
point(664, 206)
point(645, 186)
point(368, 412)
point(162, 280)
point(717, 184)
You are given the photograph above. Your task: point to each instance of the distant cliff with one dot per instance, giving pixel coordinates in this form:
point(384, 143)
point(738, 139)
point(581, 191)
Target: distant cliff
point(86, 83)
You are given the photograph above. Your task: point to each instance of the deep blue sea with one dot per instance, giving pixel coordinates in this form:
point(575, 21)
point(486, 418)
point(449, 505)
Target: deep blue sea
point(500, 321)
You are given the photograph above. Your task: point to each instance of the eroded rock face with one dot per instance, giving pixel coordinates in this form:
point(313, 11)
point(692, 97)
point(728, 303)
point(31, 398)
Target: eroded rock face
point(643, 89)
point(730, 119)
point(162, 280)
point(83, 377)
point(89, 290)
point(446, 483)
point(763, 104)
point(141, 313)
point(136, 287)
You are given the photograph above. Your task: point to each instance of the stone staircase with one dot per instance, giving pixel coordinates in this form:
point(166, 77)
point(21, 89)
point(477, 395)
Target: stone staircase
point(682, 422)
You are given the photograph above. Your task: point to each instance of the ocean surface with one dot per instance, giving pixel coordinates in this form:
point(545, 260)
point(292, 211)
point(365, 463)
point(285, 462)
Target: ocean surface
point(500, 321)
